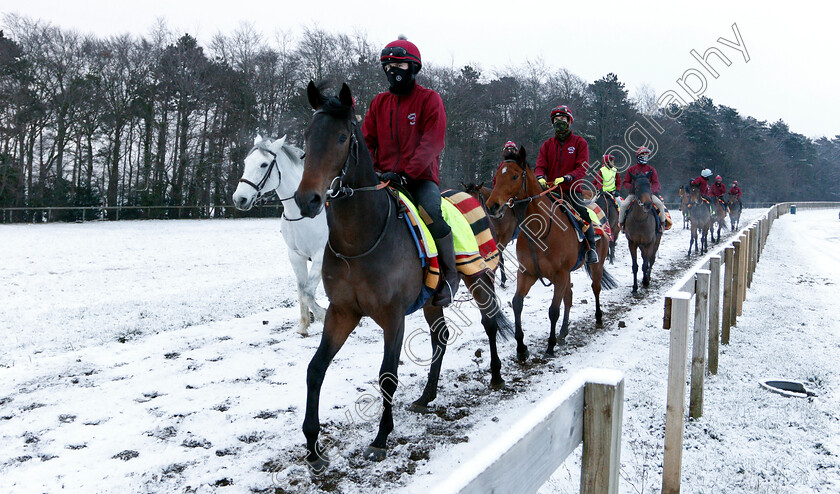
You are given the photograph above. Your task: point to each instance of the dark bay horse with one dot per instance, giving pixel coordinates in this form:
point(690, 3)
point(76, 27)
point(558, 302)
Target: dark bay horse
point(547, 247)
point(718, 218)
point(684, 200)
point(503, 227)
point(370, 266)
point(734, 213)
point(609, 208)
point(640, 229)
point(701, 220)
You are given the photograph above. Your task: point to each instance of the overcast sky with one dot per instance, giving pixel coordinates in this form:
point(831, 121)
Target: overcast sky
point(792, 72)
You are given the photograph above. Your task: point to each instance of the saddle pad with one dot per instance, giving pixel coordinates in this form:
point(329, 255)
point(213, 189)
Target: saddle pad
point(479, 232)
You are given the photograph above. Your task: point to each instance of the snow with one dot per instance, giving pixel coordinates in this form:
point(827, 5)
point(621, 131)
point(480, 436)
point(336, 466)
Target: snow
point(161, 356)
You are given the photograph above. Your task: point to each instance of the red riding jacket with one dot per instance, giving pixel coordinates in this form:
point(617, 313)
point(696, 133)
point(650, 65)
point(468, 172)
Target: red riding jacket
point(556, 159)
point(405, 133)
point(704, 185)
point(717, 189)
point(640, 169)
point(735, 192)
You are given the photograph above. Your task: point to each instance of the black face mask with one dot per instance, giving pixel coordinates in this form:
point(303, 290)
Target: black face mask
point(401, 80)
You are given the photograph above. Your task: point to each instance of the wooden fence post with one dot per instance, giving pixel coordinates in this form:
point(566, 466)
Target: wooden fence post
point(601, 458)
point(736, 282)
point(675, 410)
point(714, 313)
point(698, 347)
point(728, 294)
point(742, 273)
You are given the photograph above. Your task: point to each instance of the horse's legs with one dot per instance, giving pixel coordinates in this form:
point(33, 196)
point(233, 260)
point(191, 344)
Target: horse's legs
point(439, 335)
point(524, 282)
point(394, 328)
point(299, 266)
point(337, 326)
point(646, 264)
point(561, 288)
point(633, 252)
point(485, 297)
point(596, 271)
point(502, 268)
point(312, 285)
point(567, 307)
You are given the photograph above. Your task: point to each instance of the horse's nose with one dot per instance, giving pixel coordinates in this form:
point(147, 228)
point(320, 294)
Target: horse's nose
point(309, 203)
point(239, 201)
point(493, 209)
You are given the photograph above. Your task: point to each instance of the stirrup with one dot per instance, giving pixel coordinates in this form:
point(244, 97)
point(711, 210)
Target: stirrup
point(590, 255)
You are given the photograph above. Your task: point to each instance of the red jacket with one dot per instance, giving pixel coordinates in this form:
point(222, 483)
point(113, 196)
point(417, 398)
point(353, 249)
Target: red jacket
point(717, 189)
point(640, 169)
point(704, 185)
point(735, 192)
point(556, 159)
point(405, 134)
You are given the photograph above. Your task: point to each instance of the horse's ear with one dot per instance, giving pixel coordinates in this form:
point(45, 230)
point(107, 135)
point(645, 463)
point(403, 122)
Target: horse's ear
point(345, 96)
point(480, 185)
point(314, 95)
point(279, 142)
point(464, 186)
point(522, 155)
point(257, 139)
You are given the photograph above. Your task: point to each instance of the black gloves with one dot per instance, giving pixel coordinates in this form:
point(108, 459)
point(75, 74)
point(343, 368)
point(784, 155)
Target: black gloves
point(394, 177)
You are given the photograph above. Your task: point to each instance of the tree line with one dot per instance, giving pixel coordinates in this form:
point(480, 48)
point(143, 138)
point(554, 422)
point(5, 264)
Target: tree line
point(161, 120)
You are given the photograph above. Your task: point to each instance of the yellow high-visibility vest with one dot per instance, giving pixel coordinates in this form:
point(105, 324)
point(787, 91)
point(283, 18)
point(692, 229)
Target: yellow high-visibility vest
point(608, 176)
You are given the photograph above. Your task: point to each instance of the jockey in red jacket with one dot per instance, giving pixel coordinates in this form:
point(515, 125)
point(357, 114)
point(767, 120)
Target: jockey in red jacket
point(640, 168)
point(404, 130)
point(563, 160)
point(735, 192)
point(703, 182)
point(717, 189)
point(509, 153)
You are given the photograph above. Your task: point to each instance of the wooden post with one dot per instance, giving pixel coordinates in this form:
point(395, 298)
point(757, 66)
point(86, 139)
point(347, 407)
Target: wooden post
point(742, 274)
point(698, 347)
point(675, 409)
point(601, 457)
point(714, 313)
point(750, 256)
point(728, 294)
point(736, 282)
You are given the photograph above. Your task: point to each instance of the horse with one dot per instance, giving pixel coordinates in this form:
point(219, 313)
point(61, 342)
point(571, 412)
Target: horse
point(684, 200)
point(550, 252)
point(701, 219)
point(609, 207)
point(640, 228)
point(734, 213)
point(718, 218)
point(502, 228)
point(305, 238)
point(367, 268)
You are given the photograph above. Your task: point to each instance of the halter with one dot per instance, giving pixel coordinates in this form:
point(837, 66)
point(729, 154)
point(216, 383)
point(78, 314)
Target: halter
point(261, 184)
point(513, 201)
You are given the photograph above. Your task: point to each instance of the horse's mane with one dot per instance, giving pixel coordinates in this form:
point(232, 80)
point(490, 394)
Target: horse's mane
point(294, 154)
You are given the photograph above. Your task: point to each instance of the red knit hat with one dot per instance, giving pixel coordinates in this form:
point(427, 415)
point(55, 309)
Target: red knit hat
point(401, 50)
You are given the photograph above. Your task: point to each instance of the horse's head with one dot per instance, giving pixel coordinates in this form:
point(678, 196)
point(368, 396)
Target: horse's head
point(641, 189)
point(510, 183)
point(694, 193)
point(330, 138)
point(261, 173)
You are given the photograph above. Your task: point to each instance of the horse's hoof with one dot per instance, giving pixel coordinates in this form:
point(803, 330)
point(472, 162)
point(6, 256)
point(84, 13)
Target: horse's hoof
point(549, 353)
point(418, 407)
point(303, 332)
point(318, 466)
point(599, 324)
point(522, 357)
point(372, 453)
point(498, 385)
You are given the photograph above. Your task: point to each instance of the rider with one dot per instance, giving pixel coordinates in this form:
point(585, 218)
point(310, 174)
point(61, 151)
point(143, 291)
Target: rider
point(735, 192)
point(640, 168)
point(703, 182)
point(610, 178)
point(509, 153)
point(564, 160)
point(404, 130)
point(717, 190)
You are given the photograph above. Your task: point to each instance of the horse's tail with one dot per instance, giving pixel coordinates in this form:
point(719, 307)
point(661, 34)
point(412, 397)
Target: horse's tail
point(505, 327)
point(607, 280)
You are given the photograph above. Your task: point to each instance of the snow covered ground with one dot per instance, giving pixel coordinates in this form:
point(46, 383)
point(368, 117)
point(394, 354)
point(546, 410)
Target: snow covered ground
point(161, 356)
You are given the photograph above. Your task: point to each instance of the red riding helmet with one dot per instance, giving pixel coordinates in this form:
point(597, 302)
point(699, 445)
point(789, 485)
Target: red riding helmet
point(510, 144)
point(562, 110)
point(401, 50)
point(735, 183)
point(642, 150)
point(608, 158)
point(718, 178)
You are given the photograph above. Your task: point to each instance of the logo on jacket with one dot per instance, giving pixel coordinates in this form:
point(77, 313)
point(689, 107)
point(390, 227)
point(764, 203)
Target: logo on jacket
point(571, 149)
point(412, 118)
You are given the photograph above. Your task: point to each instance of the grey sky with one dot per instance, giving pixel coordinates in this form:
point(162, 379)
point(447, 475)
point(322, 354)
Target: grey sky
point(792, 72)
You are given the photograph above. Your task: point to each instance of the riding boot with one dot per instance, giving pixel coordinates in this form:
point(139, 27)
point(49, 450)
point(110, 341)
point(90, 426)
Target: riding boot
point(591, 254)
point(448, 272)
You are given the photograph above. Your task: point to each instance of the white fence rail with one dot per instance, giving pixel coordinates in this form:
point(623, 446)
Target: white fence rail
point(703, 284)
point(588, 409)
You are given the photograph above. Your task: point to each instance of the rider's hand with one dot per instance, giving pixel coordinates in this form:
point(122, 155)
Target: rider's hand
point(393, 177)
point(564, 178)
point(542, 182)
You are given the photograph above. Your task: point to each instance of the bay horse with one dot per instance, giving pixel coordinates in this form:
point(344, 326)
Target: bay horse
point(640, 228)
point(734, 213)
point(718, 218)
point(701, 220)
point(369, 267)
point(609, 208)
point(273, 165)
point(684, 200)
point(502, 228)
point(547, 247)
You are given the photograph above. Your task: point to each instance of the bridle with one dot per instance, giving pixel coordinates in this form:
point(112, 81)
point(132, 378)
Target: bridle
point(259, 186)
point(513, 201)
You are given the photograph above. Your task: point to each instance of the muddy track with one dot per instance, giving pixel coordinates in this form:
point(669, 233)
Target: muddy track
point(461, 406)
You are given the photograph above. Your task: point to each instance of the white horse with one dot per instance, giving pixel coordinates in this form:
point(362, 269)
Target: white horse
point(275, 165)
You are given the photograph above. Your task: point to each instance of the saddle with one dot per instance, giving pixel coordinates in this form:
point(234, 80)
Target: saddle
point(659, 226)
point(597, 221)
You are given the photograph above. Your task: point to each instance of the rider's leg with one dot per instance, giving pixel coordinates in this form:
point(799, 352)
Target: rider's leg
point(427, 195)
point(622, 210)
point(579, 205)
point(659, 204)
